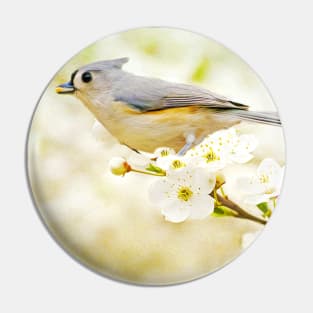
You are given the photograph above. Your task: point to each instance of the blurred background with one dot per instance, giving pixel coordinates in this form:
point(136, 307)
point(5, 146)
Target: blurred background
point(107, 222)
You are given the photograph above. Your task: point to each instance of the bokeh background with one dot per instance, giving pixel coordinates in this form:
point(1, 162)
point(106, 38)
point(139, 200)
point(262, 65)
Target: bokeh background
point(107, 222)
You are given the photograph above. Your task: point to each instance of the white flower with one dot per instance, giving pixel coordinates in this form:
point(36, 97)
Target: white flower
point(240, 148)
point(185, 193)
point(209, 153)
point(163, 152)
point(119, 166)
point(167, 159)
point(265, 184)
point(223, 147)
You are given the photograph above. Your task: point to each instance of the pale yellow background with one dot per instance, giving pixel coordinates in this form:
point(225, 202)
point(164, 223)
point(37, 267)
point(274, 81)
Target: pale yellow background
point(107, 221)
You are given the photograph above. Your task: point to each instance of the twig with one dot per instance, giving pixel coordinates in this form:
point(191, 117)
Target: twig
point(241, 213)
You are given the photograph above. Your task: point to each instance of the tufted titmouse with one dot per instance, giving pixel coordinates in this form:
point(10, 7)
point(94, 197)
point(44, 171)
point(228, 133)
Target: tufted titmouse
point(147, 113)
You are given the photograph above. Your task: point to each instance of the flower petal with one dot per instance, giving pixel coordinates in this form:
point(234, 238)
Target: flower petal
point(175, 211)
point(203, 181)
point(256, 199)
point(159, 191)
point(164, 162)
point(250, 186)
point(202, 206)
point(241, 158)
point(247, 143)
point(270, 168)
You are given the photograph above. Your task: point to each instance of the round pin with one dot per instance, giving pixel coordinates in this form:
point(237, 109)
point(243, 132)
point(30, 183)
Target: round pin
point(155, 156)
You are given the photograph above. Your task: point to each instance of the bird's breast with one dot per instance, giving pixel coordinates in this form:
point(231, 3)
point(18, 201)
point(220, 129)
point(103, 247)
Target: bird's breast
point(147, 131)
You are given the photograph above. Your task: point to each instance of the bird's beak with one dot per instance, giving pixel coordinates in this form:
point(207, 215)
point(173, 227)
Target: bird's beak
point(65, 88)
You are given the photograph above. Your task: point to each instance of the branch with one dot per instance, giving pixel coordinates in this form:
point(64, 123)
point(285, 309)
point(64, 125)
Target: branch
point(241, 213)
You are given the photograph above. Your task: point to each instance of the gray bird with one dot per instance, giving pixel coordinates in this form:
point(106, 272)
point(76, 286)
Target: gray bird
point(146, 113)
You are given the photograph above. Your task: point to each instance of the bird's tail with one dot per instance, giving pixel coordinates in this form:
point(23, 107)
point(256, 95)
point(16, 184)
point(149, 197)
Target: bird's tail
point(270, 118)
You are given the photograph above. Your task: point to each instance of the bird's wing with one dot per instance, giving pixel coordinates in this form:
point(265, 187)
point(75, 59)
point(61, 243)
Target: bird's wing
point(201, 100)
point(145, 94)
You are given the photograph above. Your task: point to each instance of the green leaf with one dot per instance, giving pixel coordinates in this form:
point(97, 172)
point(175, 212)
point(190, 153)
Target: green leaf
point(155, 169)
point(263, 206)
point(221, 210)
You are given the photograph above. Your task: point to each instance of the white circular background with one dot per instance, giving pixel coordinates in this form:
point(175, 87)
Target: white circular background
point(108, 222)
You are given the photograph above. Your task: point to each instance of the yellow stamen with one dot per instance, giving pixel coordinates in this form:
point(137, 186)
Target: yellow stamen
point(184, 193)
point(264, 179)
point(164, 153)
point(178, 164)
point(211, 156)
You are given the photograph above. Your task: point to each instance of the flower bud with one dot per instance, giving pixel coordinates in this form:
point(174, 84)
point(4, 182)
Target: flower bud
point(119, 166)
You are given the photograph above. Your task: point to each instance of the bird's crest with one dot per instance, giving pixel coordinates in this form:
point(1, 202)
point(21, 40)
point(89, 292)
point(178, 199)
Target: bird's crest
point(106, 64)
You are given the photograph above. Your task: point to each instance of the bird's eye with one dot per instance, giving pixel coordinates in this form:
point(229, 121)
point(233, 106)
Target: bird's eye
point(86, 77)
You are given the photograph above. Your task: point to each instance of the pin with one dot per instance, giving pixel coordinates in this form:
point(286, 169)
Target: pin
point(155, 156)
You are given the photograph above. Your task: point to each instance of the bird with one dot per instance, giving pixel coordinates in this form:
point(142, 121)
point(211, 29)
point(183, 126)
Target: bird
point(147, 113)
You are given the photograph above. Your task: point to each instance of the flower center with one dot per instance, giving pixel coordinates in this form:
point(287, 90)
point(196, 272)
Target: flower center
point(184, 193)
point(270, 191)
point(211, 156)
point(164, 153)
point(178, 164)
point(264, 179)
